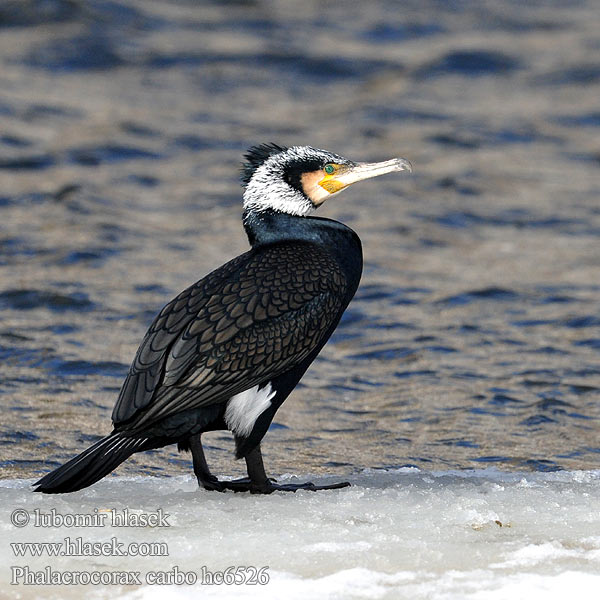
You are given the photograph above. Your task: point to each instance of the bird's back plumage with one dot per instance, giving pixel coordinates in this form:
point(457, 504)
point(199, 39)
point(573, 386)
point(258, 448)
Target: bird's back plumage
point(245, 323)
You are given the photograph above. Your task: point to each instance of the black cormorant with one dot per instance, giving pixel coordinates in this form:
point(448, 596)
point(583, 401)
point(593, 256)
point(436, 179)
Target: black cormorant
point(227, 351)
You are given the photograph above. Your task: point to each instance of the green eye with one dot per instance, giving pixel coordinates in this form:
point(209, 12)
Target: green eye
point(329, 169)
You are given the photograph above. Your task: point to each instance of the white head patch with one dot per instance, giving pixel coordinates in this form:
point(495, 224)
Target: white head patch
point(267, 188)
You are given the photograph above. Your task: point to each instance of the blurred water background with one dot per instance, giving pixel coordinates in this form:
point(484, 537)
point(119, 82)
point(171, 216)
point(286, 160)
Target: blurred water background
point(474, 339)
point(471, 351)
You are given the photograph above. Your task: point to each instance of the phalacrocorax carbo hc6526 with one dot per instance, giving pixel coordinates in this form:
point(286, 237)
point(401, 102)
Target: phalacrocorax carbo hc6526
point(227, 351)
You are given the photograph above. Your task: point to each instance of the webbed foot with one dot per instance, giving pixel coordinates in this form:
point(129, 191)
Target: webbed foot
point(270, 486)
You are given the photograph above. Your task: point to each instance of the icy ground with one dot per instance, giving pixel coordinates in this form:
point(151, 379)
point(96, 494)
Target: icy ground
point(475, 535)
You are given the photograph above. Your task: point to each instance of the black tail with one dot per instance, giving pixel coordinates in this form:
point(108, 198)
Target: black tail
point(92, 465)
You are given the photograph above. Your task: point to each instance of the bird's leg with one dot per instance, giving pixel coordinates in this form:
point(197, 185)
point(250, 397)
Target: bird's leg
point(259, 483)
point(205, 478)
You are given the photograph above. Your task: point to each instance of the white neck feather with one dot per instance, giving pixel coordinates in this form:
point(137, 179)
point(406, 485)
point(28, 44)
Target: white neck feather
point(266, 190)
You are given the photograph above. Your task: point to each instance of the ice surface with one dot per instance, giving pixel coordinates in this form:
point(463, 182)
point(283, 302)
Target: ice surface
point(399, 533)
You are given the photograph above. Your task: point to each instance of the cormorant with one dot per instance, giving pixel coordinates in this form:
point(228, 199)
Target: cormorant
point(228, 350)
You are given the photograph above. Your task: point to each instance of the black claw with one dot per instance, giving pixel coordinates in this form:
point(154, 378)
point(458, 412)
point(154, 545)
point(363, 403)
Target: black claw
point(212, 486)
point(211, 483)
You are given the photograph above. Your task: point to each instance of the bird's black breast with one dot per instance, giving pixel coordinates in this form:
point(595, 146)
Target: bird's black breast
point(253, 319)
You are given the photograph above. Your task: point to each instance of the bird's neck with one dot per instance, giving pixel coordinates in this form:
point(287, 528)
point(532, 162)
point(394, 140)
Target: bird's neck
point(269, 226)
point(340, 242)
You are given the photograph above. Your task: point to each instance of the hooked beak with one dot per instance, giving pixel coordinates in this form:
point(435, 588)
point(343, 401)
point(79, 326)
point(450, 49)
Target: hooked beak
point(367, 170)
point(360, 171)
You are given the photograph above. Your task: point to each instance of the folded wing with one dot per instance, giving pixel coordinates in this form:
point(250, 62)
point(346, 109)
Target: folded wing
point(249, 321)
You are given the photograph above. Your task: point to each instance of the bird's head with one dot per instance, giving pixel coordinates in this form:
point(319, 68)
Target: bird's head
point(299, 179)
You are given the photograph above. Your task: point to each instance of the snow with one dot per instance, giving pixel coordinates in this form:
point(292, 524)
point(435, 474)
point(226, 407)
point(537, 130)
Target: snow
point(404, 533)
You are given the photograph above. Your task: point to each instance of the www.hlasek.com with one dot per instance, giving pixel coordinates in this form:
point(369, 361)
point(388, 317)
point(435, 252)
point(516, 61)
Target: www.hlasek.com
point(175, 576)
point(79, 547)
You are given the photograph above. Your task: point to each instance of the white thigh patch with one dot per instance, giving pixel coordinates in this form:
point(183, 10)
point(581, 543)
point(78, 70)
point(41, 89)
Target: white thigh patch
point(244, 408)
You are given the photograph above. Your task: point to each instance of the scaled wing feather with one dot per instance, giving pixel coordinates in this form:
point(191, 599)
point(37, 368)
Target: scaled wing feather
point(251, 320)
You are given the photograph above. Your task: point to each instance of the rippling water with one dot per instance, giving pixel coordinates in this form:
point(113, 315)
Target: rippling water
point(474, 338)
